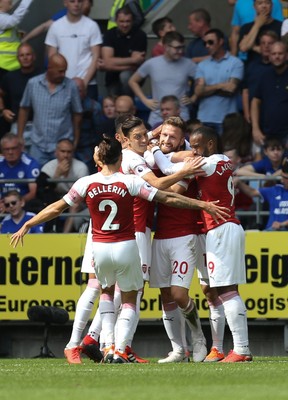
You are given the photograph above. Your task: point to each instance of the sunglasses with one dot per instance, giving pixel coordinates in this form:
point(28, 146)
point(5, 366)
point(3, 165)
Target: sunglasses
point(209, 42)
point(12, 203)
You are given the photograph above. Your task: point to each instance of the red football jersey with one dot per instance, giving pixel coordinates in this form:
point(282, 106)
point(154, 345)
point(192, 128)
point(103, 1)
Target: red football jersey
point(110, 202)
point(217, 185)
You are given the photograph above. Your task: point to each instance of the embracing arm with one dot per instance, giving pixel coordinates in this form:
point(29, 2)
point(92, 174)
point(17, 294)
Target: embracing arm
point(178, 201)
point(179, 172)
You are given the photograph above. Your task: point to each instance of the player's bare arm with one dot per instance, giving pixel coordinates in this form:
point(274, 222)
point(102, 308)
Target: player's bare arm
point(178, 201)
point(50, 212)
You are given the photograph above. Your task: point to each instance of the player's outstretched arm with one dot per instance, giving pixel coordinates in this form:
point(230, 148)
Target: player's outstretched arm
point(178, 201)
point(50, 212)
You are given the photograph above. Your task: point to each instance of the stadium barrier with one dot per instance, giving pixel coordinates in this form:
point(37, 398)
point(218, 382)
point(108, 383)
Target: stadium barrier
point(46, 271)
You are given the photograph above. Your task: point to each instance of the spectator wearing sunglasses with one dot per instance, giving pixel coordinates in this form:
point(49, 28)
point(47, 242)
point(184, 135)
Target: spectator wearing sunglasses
point(16, 215)
point(15, 164)
point(217, 82)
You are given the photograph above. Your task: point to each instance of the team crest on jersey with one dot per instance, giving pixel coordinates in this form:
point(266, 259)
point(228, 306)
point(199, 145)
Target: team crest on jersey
point(21, 174)
point(35, 172)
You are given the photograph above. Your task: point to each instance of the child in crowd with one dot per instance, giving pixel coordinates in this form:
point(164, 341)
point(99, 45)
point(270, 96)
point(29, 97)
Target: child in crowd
point(270, 164)
point(108, 107)
point(160, 27)
point(276, 197)
point(17, 216)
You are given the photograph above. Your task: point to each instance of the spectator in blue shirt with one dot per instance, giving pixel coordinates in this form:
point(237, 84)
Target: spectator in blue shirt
point(14, 164)
point(16, 215)
point(57, 110)
point(277, 199)
point(270, 164)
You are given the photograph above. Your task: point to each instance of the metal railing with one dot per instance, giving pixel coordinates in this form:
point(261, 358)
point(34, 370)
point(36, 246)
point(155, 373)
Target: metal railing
point(258, 212)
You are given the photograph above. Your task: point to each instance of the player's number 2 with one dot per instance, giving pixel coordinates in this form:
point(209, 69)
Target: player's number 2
point(108, 224)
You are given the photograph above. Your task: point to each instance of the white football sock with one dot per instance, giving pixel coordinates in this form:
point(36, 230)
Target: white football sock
point(217, 323)
point(136, 319)
point(83, 310)
point(108, 318)
point(126, 322)
point(235, 313)
point(96, 326)
point(174, 325)
point(193, 323)
point(117, 299)
point(117, 305)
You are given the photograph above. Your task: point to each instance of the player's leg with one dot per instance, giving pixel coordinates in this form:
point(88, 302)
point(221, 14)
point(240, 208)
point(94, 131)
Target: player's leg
point(217, 323)
point(174, 324)
point(216, 310)
point(90, 344)
point(183, 261)
point(108, 320)
point(104, 261)
point(130, 281)
point(226, 271)
point(84, 306)
point(160, 277)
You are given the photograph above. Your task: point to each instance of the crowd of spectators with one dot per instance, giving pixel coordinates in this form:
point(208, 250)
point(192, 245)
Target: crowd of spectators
point(235, 82)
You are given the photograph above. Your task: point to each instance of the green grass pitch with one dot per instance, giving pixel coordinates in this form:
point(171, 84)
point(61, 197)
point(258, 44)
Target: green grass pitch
point(29, 379)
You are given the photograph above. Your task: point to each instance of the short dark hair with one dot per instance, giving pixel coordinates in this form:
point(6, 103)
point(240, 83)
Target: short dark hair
point(124, 10)
point(269, 33)
point(178, 122)
point(110, 150)
point(130, 123)
point(13, 192)
point(209, 134)
point(217, 32)
point(192, 124)
point(202, 15)
point(67, 140)
point(120, 119)
point(170, 97)
point(272, 141)
point(171, 36)
point(159, 24)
